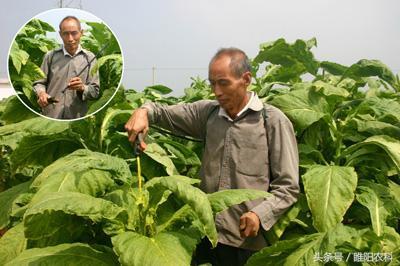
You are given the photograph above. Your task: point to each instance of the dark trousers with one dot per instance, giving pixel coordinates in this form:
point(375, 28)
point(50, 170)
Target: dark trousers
point(222, 255)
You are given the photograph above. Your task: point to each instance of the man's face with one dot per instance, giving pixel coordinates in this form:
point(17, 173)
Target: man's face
point(229, 89)
point(71, 35)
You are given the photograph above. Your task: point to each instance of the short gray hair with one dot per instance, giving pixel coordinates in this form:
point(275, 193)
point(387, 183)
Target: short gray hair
point(239, 64)
point(69, 18)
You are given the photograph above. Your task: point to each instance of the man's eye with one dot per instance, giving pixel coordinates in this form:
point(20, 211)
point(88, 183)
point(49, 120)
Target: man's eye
point(73, 33)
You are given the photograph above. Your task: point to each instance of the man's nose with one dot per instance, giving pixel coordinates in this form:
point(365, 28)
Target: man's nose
point(217, 90)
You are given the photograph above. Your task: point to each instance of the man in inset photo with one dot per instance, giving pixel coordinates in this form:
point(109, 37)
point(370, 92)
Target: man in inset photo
point(68, 82)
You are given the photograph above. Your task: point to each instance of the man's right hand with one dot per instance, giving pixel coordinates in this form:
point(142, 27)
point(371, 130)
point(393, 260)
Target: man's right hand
point(42, 101)
point(138, 122)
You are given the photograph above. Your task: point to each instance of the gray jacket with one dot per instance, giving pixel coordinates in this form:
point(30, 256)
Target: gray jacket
point(59, 69)
point(238, 155)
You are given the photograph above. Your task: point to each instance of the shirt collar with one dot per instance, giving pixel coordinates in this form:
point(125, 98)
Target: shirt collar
point(254, 104)
point(68, 54)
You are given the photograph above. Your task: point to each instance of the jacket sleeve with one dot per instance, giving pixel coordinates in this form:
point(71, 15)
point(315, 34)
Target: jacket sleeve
point(284, 165)
point(188, 119)
point(92, 88)
point(41, 84)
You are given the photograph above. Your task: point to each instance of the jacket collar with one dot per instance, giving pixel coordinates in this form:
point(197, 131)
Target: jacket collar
point(68, 54)
point(254, 104)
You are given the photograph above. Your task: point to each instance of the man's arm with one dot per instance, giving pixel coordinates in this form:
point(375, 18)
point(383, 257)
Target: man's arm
point(184, 119)
point(284, 164)
point(39, 86)
point(90, 90)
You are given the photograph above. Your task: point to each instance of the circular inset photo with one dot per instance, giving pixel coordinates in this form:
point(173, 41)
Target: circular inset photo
point(65, 64)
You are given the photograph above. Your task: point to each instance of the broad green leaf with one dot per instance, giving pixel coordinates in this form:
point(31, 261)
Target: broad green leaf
point(40, 24)
point(12, 243)
point(65, 254)
point(112, 58)
point(330, 192)
point(305, 255)
point(47, 215)
point(198, 90)
point(381, 109)
point(303, 107)
point(184, 154)
point(158, 154)
point(192, 196)
point(114, 98)
point(35, 73)
point(299, 251)
point(160, 195)
point(15, 111)
point(277, 230)
point(333, 68)
point(223, 199)
point(158, 88)
point(10, 135)
point(20, 204)
point(18, 57)
point(309, 155)
point(379, 201)
point(305, 250)
point(41, 150)
point(390, 240)
point(368, 68)
point(112, 120)
point(168, 212)
point(83, 171)
point(172, 220)
point(6, 201)
point(33, 44)
point(394, 191)
point(167, 249)
point(106, 99)
point(330, 90)
point(281, 53)
point(278, 73)
point(125, 199)
point(102, 35)
point(390, 145)
point(37, 142)
point(378, 128)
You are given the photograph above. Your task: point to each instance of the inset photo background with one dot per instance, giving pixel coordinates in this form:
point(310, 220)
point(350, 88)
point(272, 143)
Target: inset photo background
point(41, 35)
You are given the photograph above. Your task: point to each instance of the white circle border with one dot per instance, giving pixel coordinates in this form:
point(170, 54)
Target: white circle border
point(74, 119)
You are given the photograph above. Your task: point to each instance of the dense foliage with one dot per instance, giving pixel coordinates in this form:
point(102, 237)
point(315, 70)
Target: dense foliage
point(71, 188)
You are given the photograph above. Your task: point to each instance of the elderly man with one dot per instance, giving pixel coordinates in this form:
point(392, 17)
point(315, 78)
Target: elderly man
point(63, 94)
point(247, 145)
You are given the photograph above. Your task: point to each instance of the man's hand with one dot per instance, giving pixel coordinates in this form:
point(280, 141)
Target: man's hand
point(249, 224)
point(138, 122)
point(76, 84)
point(42, 99)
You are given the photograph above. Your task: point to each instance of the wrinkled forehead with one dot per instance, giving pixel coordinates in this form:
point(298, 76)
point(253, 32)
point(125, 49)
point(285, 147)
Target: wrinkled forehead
point(70, 25)
point(220, 66)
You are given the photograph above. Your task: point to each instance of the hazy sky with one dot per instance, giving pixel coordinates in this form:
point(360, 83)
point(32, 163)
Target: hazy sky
point(178, 37)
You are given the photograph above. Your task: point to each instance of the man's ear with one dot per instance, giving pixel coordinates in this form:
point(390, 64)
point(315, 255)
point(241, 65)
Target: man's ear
point(246, 78)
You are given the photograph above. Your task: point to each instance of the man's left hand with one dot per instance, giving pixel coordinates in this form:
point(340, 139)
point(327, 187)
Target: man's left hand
point(76, 84)
point(249, 224)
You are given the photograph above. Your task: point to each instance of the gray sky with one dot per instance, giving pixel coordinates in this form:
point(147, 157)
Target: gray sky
point(178, 37)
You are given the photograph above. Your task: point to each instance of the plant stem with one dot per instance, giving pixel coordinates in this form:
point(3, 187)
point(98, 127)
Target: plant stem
point(139, 173)
point(337, 138)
